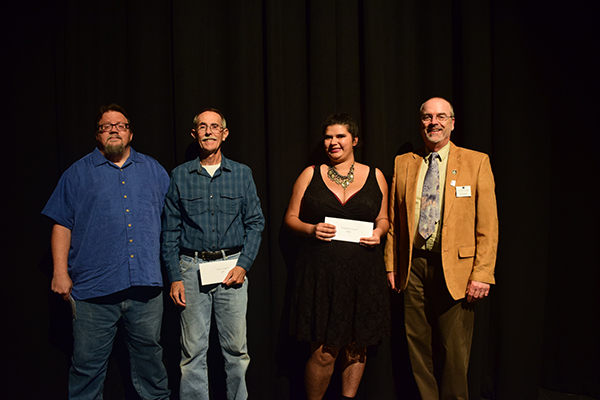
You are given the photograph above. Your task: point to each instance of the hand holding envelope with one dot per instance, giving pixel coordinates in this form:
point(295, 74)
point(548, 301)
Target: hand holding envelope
point(348, 230)
point(216, 271)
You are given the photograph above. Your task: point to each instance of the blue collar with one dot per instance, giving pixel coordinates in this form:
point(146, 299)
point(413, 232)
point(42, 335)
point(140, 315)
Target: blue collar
point(99, 159)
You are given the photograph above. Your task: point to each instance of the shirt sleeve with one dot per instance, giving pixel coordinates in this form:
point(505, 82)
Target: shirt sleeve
point(60, 205)
point(254, 223)
point(171, 232)
point(486, 225)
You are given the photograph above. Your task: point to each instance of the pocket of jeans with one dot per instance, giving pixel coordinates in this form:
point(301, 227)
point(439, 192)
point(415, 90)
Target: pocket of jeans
point(185, 263)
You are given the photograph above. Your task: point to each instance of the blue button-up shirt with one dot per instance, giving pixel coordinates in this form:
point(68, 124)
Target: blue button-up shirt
point(207, 213)
point(114, 217)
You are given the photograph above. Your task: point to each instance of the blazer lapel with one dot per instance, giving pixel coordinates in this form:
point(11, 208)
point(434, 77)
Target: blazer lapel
point(412, 175)
point(453, 165)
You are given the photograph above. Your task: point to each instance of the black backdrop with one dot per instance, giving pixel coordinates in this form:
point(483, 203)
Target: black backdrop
point(522, 78)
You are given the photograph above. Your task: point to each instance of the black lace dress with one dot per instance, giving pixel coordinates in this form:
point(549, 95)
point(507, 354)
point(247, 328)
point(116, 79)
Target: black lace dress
point(340, 293)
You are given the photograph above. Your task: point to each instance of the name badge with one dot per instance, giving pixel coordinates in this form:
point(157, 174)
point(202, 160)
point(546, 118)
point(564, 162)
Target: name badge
point(463, 191)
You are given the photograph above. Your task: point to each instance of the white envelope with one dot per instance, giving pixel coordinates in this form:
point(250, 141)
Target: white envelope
point(216, 271)
point(349, 230)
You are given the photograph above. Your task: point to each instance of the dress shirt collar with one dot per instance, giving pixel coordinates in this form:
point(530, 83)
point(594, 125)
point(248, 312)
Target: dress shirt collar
point(443, 152)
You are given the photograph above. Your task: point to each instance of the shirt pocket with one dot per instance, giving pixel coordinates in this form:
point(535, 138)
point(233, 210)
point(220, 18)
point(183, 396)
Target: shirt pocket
point(194, 205)
point(231, 203)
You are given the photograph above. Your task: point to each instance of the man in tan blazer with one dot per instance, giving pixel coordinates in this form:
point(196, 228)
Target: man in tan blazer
point(441, 250)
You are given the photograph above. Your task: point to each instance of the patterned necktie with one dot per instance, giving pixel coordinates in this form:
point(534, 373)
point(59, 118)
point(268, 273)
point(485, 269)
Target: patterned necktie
point(430, 198)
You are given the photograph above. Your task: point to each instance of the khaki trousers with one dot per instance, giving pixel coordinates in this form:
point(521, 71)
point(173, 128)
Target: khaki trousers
point(439, 331)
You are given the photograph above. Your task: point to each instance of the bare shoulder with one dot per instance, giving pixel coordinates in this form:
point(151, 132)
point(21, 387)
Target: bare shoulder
point(308, 172)
point(305, 177)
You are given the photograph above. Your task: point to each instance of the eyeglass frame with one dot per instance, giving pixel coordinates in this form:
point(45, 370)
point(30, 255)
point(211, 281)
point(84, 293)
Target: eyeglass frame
point(429, 117)
point(102, 126)
point(202, 127)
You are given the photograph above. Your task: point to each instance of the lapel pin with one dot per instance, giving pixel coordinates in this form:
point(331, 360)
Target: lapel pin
point(453, 172)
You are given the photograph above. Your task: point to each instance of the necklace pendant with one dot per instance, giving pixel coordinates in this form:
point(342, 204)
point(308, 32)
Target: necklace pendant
point(341, 180)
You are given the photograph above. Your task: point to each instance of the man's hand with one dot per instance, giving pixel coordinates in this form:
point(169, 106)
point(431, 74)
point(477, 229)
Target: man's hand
point(391, 277)
point(477, 291)
point(235, 276)
point(62, 285)
point(178, 293)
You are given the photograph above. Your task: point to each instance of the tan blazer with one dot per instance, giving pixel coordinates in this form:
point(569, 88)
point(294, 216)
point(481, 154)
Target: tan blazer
point(470, 224)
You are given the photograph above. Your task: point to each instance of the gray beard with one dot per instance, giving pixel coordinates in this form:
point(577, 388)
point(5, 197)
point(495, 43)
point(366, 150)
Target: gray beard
point(114, 150)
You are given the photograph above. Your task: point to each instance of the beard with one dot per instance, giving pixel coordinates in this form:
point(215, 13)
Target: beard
point(114, 150)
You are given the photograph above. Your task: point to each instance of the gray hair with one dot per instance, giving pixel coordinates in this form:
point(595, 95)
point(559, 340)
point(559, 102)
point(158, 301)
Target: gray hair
point(437, 97)
point(223, 122)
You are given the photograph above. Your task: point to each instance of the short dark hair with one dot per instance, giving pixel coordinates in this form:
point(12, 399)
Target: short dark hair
point(341, 119)
point(223, 122)
point(111, 107)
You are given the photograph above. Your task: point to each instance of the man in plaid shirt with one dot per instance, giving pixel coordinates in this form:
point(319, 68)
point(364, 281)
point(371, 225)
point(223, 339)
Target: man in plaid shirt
point(212, 216)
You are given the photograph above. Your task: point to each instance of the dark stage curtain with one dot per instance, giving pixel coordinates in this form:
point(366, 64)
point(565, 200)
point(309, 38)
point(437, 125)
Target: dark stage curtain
point(523, 80)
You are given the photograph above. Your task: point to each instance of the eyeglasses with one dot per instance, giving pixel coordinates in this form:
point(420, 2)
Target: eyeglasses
point(214, 128)
point(439, 117)
point(121, 126)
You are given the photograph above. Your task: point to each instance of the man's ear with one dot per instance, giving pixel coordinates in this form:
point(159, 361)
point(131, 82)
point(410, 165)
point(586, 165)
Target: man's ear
point(225, 133)
point(194, 134)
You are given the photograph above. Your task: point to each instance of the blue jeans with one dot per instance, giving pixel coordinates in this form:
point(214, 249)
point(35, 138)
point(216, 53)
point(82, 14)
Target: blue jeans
point(229, 306)
point(94, 330)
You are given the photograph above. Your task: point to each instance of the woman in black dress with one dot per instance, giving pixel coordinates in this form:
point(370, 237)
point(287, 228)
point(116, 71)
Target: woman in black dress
point(340, 301)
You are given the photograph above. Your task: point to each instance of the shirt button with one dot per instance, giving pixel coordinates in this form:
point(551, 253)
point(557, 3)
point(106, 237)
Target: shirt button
point(211, 196)
point(130, 240)
point(125, 196)
point(123, 182)
point(132, 256)
point(127, 210)
point(129, 225)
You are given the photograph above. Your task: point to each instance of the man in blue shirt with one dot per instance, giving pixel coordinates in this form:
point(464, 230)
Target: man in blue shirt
point(106, 252)
point(212, 214)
